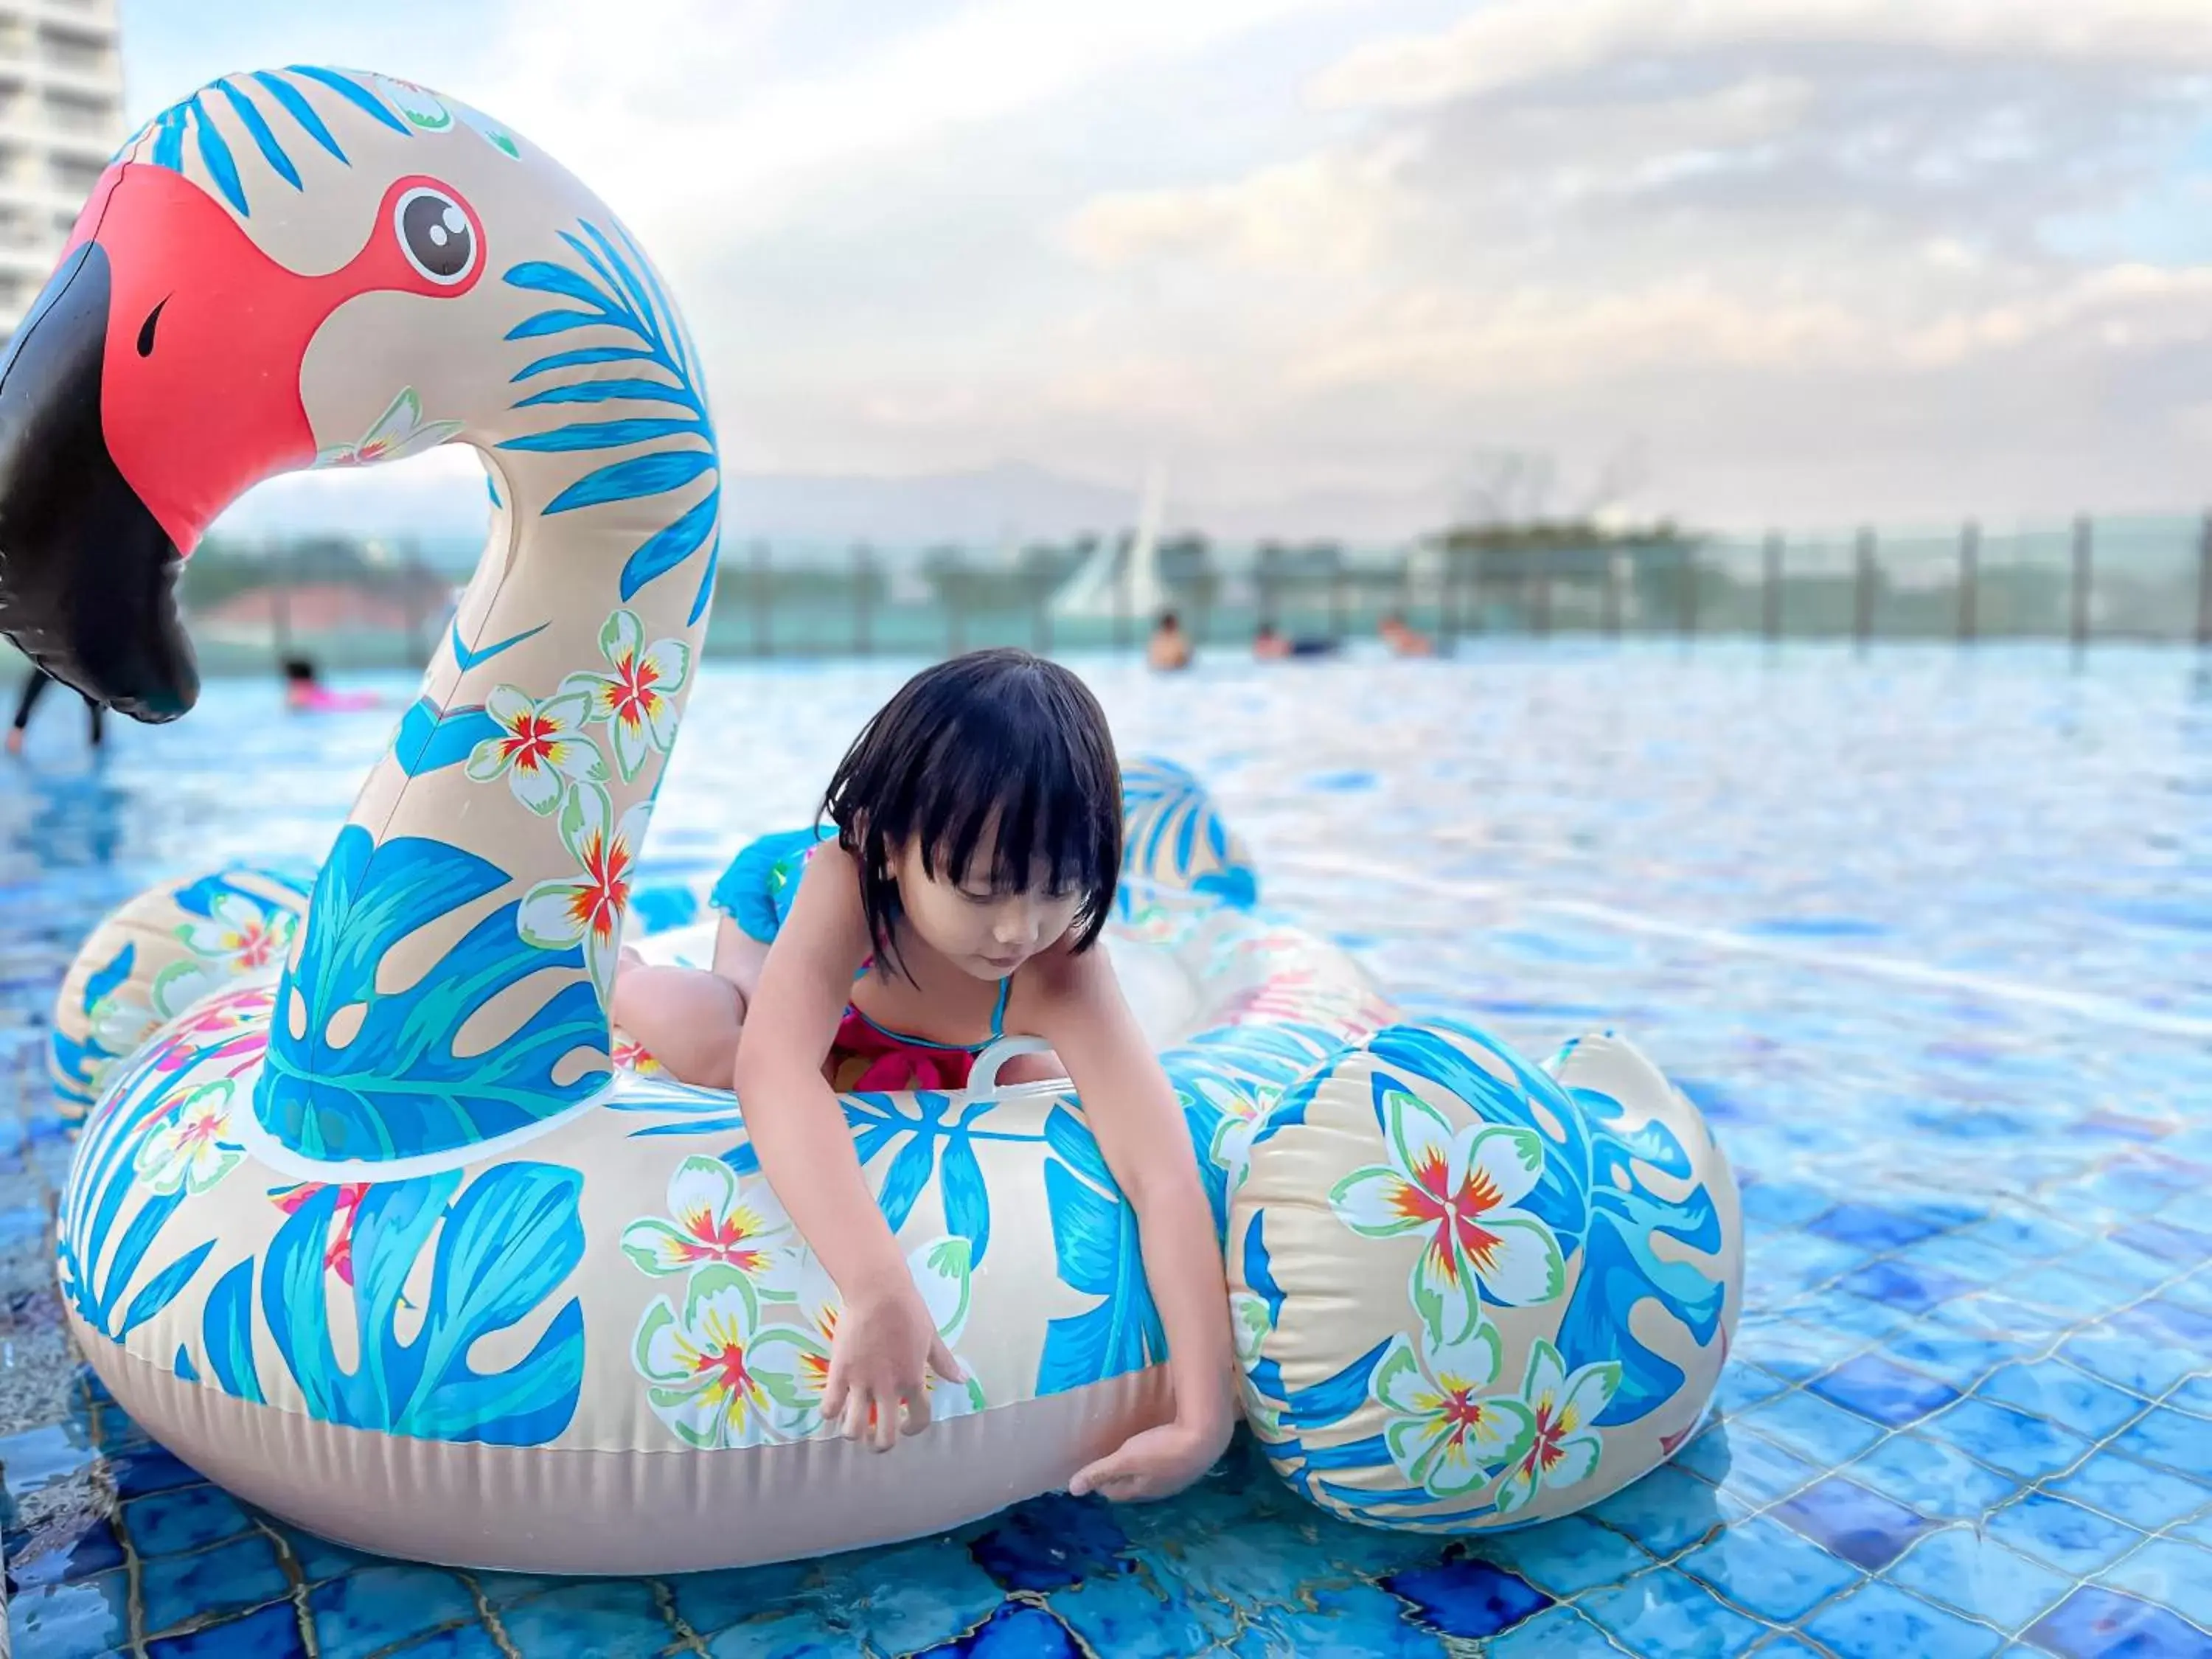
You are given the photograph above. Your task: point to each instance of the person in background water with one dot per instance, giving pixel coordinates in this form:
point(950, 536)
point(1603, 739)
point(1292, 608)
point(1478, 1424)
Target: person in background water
point(1170, 648)
point(34, 689)
point(1269, 645)
point(1404, 641)
point(305, 694)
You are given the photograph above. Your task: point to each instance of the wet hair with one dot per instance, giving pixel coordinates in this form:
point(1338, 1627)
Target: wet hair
point(1169, 619)
point(299, 669)
point(996, 741)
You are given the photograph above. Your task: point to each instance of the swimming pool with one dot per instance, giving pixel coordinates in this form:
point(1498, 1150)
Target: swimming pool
point(1928, 934)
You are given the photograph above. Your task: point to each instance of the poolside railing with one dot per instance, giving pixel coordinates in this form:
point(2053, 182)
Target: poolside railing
point(2090, 581)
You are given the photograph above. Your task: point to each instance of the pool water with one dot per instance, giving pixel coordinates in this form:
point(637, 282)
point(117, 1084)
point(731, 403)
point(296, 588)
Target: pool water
point(1929, 935)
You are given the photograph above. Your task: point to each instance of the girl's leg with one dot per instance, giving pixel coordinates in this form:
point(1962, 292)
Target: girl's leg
point(688, 1020)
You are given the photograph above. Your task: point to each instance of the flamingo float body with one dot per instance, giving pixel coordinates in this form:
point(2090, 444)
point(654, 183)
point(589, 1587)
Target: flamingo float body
point(373, 1219)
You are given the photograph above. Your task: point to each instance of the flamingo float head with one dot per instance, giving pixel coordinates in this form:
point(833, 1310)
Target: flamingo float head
point(311, 267)
point(158, 376)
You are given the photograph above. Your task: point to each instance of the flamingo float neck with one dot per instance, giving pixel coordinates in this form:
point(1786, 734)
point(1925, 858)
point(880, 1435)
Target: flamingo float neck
point(318, 268)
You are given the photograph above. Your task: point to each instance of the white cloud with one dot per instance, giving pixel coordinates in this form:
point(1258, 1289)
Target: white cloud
point(1526, 41)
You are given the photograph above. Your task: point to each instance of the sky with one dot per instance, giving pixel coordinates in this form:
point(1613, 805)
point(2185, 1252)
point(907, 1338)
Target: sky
point(1354, 268)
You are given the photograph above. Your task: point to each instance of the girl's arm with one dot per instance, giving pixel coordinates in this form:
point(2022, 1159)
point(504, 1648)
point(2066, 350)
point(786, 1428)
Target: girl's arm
point(886, 1335)
point(1133, 1112)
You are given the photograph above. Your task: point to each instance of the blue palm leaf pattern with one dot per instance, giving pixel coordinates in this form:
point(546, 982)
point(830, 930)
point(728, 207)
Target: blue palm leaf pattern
point(1095, 1247)
point(398, 1088)
point(505, 1245)
point(1175, 838)
point(95, 1267)
point(195, 116)
point(610, 286)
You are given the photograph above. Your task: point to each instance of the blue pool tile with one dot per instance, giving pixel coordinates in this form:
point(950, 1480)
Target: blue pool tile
point(1742, 1386)
point(2062, 1534)
point(2058, 1392)
point(2033, 1237)
point(1810, 1426)
point(243, 1574)
point(1050, 1542)
point(150, 1470)
point(369, 1610)
point(1963, 1568)
point(2194, 1396)
point(1557, 1633)
point(1785, 1203)
point(1880, 1621)
point(1873, 1228)
point(1750, 1471)
point(1567, 1556)
point(2131, 1491)
point(1952, 1356)
point(2163, 1317)
point(1933, 1478)
point(2028, 1447)
point(2172, 1439)
point(70, 1621)
point(1665, 1611)
point(1862, 1527)
point(1762, 1566)
point(1888, 1392)
point(2004, 1318)
point(609, 1619)
point(1125, 1613)
point(1797, 1352)
point(272, 1633)
point(36, 1456)
point(2061, 1289)
point(63, 1559)
point(1354, 1619)
point(2124, 1360)
point(1968, 1255)
point(2168, 1573)
point(1014, 1632)
point(2167, 1241)
point(1666, 1511)
point(469, 1642)
point(2097, 1624)
point(2112, 1264)
point(1917, 1289)
point(1467, 1598)
point(183, 1519)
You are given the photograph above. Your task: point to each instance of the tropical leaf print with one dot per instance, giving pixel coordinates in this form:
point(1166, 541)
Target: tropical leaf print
point(609, 292)
point(1095, 1248)
point(253, 100)
point(503, 1248)
point(396, 1087)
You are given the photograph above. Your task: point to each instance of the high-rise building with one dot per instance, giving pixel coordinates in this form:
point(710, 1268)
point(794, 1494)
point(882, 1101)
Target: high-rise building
point(61, 119)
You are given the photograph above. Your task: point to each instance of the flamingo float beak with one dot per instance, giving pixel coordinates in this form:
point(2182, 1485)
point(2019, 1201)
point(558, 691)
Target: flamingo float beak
point(88, 575)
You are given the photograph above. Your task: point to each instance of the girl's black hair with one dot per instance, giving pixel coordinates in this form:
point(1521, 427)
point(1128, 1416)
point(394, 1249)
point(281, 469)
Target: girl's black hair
point(999, 740)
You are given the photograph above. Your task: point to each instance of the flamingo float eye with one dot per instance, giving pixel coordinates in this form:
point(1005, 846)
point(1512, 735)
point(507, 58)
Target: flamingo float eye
point(436, 234)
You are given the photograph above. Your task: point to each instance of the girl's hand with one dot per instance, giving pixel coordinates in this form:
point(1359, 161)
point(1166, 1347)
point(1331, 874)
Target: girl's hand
point(1158, 1462)
point(877, 1383)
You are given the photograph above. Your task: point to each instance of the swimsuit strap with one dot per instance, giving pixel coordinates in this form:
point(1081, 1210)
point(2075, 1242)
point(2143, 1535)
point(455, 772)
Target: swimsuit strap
point(998, 1012)
point(998, 1026)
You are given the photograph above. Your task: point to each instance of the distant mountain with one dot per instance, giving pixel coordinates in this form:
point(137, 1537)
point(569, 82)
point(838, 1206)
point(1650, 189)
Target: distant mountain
point(440, 504)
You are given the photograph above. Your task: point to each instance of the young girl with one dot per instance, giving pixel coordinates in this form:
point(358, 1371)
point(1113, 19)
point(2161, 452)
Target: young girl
point(976, 847)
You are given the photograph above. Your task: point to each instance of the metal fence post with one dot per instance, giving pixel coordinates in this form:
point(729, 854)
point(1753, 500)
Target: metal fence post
point(1863, 589)
point(1448, 621)
point(2204, 584)
point(2078, 626)
point(760, 597)
point(1123, 577)
point(863, 600)
point(1689, 590)
point(1970, 578)
point(1770, 587)
point(1610, 599)
point(1336, 594)
point(1541, 609)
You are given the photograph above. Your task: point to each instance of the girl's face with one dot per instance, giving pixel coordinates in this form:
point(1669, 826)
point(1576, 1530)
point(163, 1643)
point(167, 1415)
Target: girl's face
point(988, 934)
